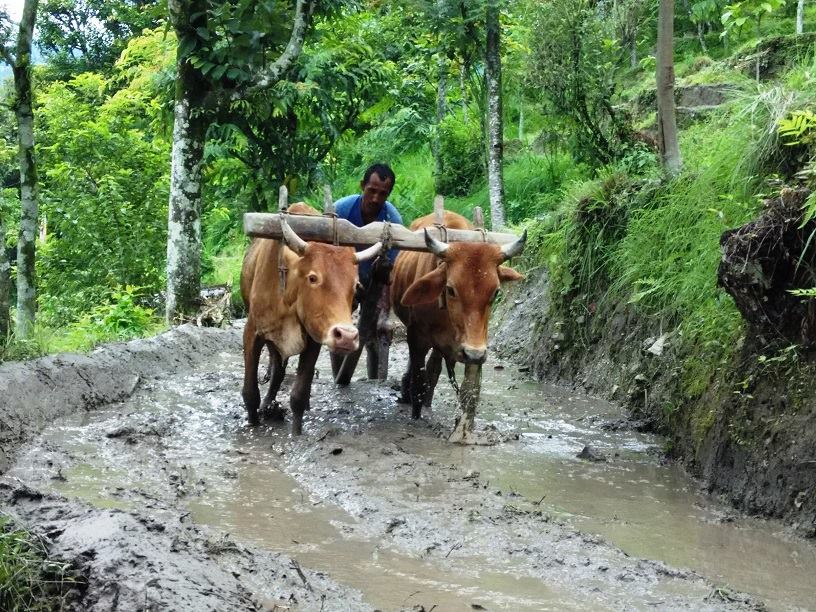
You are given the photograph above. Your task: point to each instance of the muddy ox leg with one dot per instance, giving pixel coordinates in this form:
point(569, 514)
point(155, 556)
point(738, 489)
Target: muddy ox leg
point(277, 368)
point(417, 349)
point(253, 345)
point(302, 388)
point(433, 368)
point(468, 400)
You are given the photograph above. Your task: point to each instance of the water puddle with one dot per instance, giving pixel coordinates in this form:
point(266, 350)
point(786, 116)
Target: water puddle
point(182, 443)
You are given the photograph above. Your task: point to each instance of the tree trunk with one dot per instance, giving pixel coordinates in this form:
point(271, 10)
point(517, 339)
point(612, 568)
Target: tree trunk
point(800, 16)
point(184, 210)
point(701, 37)
point(495, 131)
point(666, 119)
point(26, 242)
point(441, 111)
point(5, 282)
point(463, 70)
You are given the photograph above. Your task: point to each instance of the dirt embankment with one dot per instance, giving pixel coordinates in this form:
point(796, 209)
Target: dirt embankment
point(750, 435)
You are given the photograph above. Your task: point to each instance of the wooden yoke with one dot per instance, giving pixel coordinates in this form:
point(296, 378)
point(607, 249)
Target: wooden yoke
point(320, 229)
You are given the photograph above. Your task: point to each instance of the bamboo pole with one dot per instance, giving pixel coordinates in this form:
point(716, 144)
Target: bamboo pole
point(320, 229)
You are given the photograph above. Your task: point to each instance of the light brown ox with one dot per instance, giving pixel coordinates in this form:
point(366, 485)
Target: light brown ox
point(470, 275)
point(313, 310)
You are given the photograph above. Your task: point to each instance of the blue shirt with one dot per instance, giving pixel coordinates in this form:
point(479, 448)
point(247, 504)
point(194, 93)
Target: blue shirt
point(350, 208)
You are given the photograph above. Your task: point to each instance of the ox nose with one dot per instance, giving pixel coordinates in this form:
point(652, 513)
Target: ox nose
point(343, 339)
point(474, 355)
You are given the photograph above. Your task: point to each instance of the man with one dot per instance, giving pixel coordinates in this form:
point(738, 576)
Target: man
point(370, 206)
point(375, 330)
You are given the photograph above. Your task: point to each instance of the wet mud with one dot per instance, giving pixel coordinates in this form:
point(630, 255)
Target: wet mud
point(167, 500)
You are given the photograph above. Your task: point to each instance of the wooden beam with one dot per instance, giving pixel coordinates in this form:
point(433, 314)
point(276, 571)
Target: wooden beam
point(320, 229)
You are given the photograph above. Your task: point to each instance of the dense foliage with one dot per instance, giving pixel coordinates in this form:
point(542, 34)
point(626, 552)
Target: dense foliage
point(403, 82)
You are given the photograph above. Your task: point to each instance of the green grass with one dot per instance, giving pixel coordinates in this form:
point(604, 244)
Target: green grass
point(533, 186)
point(28, 579)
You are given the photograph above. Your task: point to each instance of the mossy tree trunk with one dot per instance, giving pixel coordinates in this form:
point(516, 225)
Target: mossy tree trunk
point(189, 130)
point(5, 282)
point(666, 117)
point(800, 16)
point(26, 242)
point(495, 127)
point(441, 111)
point(195, 99)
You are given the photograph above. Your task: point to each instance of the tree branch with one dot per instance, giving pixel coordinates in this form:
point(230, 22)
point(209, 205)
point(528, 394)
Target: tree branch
point(273, 74)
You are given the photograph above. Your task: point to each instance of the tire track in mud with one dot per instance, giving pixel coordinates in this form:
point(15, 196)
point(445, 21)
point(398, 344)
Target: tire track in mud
point(362, 497)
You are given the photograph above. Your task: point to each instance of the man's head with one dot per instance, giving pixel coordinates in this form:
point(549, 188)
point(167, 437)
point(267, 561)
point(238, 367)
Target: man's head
point(377, 183)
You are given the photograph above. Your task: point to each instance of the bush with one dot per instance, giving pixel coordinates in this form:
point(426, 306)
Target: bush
point(461, 149)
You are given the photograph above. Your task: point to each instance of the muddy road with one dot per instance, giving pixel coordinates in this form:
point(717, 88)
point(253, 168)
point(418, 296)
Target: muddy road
point(166, 500)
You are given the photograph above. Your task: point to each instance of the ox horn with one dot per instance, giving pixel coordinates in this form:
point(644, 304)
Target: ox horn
point(514, 248)
point(291, 239)
point(369, 253)
point(436, 247)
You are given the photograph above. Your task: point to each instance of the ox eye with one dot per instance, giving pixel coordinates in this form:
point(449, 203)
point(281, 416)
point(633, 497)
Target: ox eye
point(451, 291)
point(313, 278)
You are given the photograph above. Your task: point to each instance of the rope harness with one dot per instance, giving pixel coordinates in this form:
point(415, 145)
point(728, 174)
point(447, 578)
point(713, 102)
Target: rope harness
point(443, 236)
point(452, 376)
point(283, 271)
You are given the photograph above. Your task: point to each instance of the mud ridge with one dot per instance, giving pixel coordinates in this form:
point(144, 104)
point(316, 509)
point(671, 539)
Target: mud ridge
point(34, 393)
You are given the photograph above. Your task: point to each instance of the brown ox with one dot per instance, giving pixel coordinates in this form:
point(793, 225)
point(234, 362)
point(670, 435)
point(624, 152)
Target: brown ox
point(467, 276)
point(313, 310)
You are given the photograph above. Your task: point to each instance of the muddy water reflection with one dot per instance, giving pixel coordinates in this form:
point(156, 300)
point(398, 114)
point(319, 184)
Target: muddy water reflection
point(649, 510)
point(182, 442)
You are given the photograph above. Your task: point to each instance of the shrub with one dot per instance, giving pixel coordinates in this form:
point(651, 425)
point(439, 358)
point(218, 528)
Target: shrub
point(461, 149)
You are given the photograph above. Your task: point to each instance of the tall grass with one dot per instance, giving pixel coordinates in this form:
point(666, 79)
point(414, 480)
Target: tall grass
point(28, 579)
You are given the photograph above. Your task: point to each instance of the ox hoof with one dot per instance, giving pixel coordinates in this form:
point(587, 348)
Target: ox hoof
point(463, 434)
point(252, 418)
point(273, 411)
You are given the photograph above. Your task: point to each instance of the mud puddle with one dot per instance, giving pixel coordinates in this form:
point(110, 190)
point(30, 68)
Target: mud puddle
point(385, 506)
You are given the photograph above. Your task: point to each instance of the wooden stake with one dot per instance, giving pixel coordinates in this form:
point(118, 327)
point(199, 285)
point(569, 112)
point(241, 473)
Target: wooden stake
point(328, 201)
point(439, 210)
point(283, 198)
point(478, 217)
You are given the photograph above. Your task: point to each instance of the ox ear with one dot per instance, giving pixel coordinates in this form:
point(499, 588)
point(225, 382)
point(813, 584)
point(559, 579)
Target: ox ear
point(507, 275)
point(427, 289)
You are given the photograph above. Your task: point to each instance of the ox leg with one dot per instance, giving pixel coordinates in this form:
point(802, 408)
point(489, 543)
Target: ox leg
point(417, 350)
point(302, 389)
point(433, 369)
point(277, 368)
point(463, 432)
point(253, 345)
point(336, 363)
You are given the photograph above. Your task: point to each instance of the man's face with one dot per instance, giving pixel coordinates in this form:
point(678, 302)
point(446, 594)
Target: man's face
point(376, 192)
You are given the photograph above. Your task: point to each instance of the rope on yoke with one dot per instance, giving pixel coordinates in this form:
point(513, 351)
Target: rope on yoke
point(283, 271)
point(443, 236)
point(452, 376)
